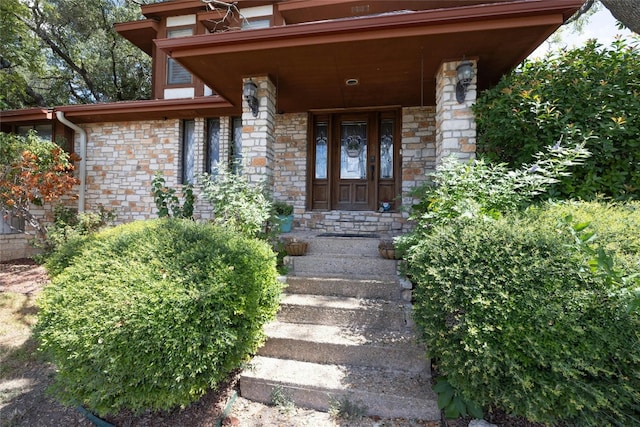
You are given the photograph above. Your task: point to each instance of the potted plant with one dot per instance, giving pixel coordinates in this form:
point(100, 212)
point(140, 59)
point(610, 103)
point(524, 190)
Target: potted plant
point(284, 212)
point(387, 249)
point(295, 247)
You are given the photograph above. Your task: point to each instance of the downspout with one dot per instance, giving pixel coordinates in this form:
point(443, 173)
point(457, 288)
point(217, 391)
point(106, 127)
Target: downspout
point(82, 173)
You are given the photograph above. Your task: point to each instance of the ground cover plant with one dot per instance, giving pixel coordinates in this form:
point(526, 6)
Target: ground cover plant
point(152, 314)
point(591, 89)
point(529, 309)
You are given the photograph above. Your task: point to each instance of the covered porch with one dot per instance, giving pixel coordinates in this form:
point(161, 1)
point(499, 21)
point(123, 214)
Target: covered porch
point(388, 81)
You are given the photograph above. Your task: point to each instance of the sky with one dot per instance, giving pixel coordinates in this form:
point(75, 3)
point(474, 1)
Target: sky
point(601, 26)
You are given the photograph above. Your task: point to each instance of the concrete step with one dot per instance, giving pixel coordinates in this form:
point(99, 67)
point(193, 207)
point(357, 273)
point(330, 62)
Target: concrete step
point(346, 346)
point(343, 311)
point(389, 289)
point(343, 245)
point(343, 265)
point(383, 392)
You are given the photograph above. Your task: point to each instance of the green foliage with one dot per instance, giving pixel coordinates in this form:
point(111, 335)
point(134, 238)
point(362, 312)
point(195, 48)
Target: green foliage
point(282, 400)
point(590, 89)
point(452, 404)
point(152, 314)
point(58, 52)
point(33, 172)
point(346, 408)
point(236, 202)
point(518, 316)
point(282, 208)
point(69, 224)
point(482, 189)
point(168, 203)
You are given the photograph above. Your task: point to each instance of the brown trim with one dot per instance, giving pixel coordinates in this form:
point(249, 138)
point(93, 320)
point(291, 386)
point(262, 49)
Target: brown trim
point(430, 22)
point(206, 106)
point(140, 33)
point(29, 115)
point(169, 8)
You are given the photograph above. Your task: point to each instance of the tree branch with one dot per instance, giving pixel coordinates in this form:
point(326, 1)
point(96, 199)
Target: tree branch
point(82, 72)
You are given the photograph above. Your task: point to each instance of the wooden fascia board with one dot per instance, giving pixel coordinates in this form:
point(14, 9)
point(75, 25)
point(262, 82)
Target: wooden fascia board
point(140, 33)
point(29, 115)
point(148, 106)
point(352, 30)
point(168, 8)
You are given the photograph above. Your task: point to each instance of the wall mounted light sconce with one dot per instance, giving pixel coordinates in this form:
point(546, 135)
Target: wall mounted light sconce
point(465, 75)
point(249, 92)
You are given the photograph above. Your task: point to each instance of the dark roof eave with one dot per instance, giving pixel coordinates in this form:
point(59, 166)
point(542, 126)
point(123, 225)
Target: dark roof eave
point(212, 106)
point(439, 21)
point(26, 115)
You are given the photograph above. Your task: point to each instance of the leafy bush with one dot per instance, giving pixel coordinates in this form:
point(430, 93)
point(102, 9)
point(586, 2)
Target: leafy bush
point(517, 319)
point(32, 172)
point(236, 202)
point(616, 225)
point(589, 89)
point(69, 224)
point(168, 203)
point(481, 189)
point(151, 314)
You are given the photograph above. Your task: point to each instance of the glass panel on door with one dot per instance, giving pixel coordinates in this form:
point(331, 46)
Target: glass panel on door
point(321, 150)
point(353, 150)
point(386, 149)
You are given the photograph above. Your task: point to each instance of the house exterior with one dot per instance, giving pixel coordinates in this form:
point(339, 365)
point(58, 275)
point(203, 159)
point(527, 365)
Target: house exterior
point(356, 102)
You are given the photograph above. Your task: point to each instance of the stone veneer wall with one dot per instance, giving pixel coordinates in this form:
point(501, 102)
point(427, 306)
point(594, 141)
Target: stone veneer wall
point(15, 246)
point(122, 158)
point(456, 125)
point(258, 134)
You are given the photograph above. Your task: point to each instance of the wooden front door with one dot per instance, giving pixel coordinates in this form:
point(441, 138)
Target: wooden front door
point(354, 161)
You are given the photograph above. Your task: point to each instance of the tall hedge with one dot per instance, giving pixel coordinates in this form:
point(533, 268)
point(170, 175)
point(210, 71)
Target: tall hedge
point(517, 320)
point(593, 90)
point(152, 314)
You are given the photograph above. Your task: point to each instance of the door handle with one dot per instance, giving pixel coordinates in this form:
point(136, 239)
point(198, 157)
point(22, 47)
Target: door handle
point(373, 171)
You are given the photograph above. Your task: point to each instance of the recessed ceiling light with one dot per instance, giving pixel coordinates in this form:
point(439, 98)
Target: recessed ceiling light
point(352, 82)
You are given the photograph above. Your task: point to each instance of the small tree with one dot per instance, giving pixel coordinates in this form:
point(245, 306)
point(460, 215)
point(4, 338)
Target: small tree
point(32, 172)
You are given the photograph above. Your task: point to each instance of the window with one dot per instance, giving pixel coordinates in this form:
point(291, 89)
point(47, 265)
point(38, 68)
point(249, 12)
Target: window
point(176, 73)
point(44, 131)
point(9, 223)
point(236, 144)
point(253, 24)
point(188, 151)
point(213, 145)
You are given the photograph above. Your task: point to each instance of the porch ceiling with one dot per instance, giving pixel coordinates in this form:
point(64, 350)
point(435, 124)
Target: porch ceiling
point(394, 56)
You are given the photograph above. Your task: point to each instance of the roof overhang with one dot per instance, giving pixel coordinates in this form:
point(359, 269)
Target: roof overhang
point(26, 116)
point(140, 33)
point(158, 109)
point(394, 56)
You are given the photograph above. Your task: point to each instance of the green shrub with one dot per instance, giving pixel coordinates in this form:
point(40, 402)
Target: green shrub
point(481, 189)
point(616, 225)
point(167, 202)
point(592, 89)
point(516, 319)
point(151, 314)
point(236, 202)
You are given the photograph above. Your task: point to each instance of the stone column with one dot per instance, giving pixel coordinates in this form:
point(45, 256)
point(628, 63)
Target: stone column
point(455, 123)
point(258, 134)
